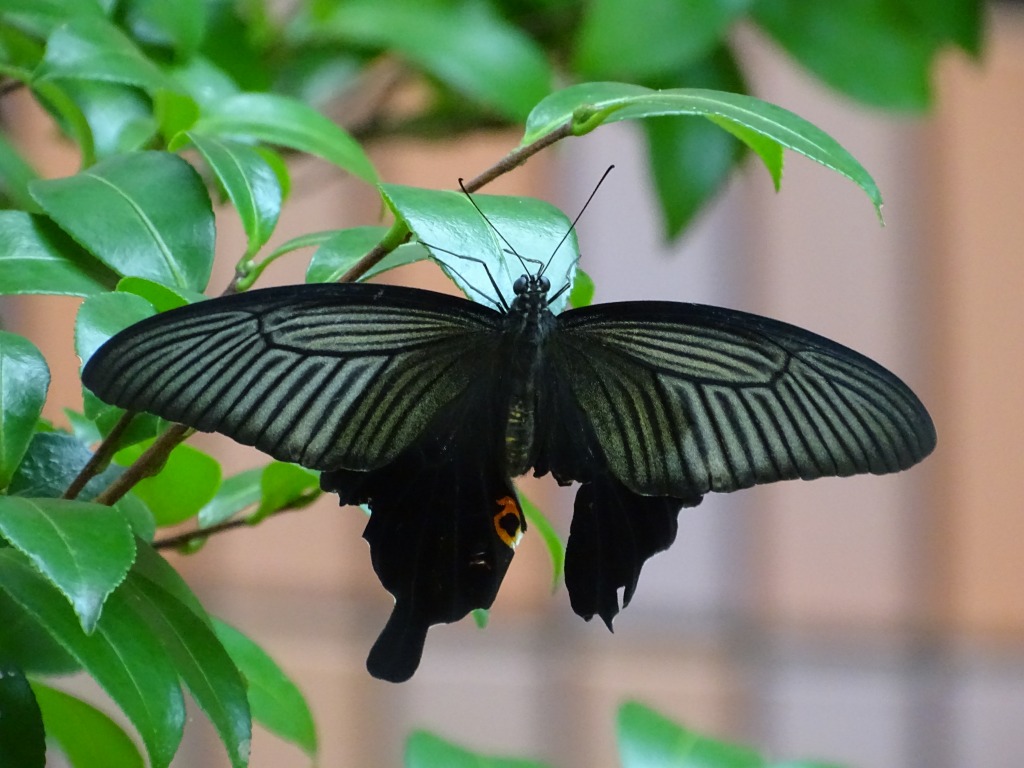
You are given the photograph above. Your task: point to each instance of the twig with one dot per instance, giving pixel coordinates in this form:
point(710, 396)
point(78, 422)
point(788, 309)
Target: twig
point(101, 458)
point(181, 539)
point(147, 464)
point(518, 156)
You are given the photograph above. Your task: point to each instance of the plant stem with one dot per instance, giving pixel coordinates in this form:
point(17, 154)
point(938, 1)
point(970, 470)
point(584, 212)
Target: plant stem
point(101, 458)
point(518, 156)
point(147, 464)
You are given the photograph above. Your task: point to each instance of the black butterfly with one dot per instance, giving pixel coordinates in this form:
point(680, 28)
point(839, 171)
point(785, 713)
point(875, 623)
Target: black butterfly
point(425, 406)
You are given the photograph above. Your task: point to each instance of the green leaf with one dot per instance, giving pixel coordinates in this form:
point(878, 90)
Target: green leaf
point(187, 481)
point(178, 25)
point(285, 122)
point(24, 380)
point(465, 45)
point(55, 97)
point(85, 735)
point(872, 50)
point(589, 105)
point(690, 160)
point(15, 175)
point(250, 183)
point(650, 740)
point(22, 737)
point(235, 494)
point(145, 214)
point(582, 293)
point(470, 249)
point(426, 750)
point(51, 462)
point(340, 250)
point(84, 549)
point(139, 518)
point(26, 642)
point(120, 117)
point(122, 655)
point(616, 41)
point(92, 48)
point(204, 665)
point(553, 542)
point(204, 82)
point(151, 564)
point(100, 317)
point(284, 485)
point(160, 297)
point(37, 257)
point(276, 702)
point(41, 16)
point(961, 21)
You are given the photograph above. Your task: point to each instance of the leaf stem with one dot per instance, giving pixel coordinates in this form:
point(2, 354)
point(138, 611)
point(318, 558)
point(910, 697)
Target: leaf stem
point(182, 539)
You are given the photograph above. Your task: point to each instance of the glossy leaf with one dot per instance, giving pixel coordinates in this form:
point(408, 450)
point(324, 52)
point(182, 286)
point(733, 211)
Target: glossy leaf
point(128, 661)
point(341, 249)
point(616, 41)
point(145, 214)
point(161, 297)
point(55, 97)
point(471, 251)
point(650, 740)
point(26, 643)
point(22, 738)
point(24, 380)
point(37, 257)
point(235, 494)
point(85, 735)
point(120, 117)
point(250, 183)
point(465, 45)
point(84, 549)
point(136, 513)
point(51, 462)
point(872, 50)
point(589, 105)
point(92, 48)
point(178, 25)
point(100, 317)
point(204, 665)
point(204, 82)
point(539, 522)
point(277, 703)
point(582, 293)
point(288, 123)
point(187, 481)
point(284, 486)
point(425, 750)
point(151, 564)
point(691, 160)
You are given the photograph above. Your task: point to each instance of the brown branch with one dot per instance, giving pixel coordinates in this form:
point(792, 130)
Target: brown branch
point(182, 539)
point(518, 156)
point(101, 458)
point(147, 464)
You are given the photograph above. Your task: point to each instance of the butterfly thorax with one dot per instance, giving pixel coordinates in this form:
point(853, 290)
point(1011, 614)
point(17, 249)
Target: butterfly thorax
point(527, 325)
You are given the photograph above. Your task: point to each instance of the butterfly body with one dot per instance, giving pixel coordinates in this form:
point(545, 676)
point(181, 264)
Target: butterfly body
point(424, 406)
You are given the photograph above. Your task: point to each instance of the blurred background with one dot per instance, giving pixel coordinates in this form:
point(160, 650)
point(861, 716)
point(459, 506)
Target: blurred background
point(873, 621)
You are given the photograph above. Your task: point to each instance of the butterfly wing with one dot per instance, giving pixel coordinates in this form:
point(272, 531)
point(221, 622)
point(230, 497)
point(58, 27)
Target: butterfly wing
point(686, 399)
point(327, 376)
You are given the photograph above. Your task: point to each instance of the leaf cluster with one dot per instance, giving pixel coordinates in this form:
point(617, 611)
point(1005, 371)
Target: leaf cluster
point(173, 106)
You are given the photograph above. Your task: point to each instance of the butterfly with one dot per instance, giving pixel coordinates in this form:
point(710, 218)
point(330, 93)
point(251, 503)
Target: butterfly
point(425, 406)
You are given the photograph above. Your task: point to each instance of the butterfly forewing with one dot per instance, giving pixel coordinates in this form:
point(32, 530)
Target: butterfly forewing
point(328, 376)
point(688, 399)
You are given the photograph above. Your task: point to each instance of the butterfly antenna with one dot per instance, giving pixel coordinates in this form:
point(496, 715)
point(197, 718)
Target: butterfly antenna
point(511, 248)
point(578, 216)
point(500, 303)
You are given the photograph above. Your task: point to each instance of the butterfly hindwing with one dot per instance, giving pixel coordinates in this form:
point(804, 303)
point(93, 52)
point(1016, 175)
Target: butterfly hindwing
point(327, 376)
point(686, 399)
point(444, 524)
